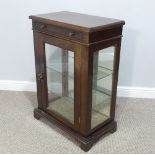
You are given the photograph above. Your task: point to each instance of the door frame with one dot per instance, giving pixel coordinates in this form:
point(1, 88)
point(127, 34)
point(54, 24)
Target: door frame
point(42, 90)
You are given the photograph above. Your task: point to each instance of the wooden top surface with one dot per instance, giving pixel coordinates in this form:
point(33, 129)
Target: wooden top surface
point(78, 21)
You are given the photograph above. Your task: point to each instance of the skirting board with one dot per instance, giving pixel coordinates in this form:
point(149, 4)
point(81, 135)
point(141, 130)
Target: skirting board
point(122, 91)
point(17, 85)
point(137, 92)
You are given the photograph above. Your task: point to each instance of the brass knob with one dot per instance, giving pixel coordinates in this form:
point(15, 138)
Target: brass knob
point(71, 34)
point(43, 26)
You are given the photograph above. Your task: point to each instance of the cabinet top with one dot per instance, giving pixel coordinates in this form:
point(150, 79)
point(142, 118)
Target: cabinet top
point(78, 21)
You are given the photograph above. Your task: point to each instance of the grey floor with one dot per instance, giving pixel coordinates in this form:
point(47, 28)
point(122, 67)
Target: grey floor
point(21, 133)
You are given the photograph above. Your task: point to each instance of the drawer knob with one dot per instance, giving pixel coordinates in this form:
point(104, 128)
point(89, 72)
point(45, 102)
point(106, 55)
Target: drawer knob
point(71, 34)
point(43, 26)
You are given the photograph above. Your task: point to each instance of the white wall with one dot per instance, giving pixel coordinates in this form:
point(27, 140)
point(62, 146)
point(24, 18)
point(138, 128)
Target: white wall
point(137, 67)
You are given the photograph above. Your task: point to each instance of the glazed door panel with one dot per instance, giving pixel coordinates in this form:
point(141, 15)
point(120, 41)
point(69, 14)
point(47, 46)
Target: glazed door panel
point(103, 62)
point(59, 83)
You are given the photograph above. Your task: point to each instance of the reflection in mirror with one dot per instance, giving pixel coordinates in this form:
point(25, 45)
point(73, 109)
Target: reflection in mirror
point(102, 85)
point(60, 81)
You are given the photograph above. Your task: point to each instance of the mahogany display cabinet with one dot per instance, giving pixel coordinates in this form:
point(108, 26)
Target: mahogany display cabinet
point(77, 62)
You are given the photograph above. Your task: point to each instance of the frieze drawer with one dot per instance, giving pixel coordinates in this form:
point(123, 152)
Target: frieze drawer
point(59, 31)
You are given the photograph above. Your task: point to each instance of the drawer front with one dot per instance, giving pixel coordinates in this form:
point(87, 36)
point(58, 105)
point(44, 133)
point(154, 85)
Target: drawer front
point(60, 31)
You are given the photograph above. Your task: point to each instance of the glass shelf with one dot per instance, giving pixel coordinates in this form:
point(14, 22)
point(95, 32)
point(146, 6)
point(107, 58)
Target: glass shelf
point(57, 71)
point(102, 72)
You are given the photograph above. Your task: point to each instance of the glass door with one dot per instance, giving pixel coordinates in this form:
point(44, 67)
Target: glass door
point(103, 62)
point(60, 81)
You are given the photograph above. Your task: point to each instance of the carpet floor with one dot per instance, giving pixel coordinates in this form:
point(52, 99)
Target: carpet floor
point(21, 133)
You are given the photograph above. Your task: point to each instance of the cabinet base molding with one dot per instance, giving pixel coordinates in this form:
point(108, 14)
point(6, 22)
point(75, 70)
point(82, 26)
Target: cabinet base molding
point(85, 142)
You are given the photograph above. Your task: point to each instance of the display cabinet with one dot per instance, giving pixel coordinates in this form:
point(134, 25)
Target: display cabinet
point(77, 62)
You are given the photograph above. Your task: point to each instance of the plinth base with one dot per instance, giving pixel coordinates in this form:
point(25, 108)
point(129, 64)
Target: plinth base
point(85, 142)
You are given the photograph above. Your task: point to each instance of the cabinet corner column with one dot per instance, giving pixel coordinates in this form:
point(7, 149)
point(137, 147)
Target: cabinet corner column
point(86, 89)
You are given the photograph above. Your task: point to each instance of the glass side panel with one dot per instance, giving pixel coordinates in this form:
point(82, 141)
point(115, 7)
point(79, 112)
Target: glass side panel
point(102, 85)
point(60, 81)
